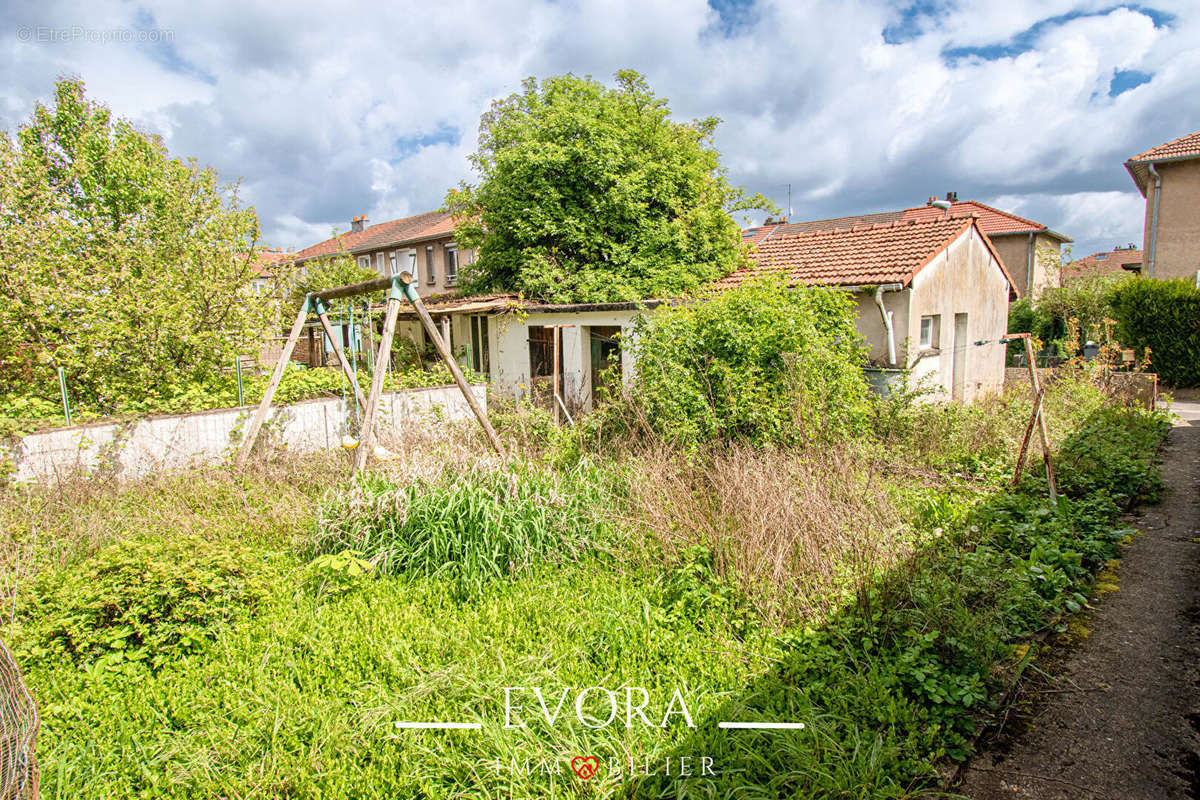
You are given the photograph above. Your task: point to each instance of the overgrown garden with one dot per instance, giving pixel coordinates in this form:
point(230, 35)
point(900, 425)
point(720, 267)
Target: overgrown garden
point(861, 566)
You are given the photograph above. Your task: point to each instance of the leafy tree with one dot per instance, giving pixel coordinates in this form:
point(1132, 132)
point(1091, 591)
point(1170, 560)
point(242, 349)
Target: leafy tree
point(129, 268)
point(327, 273)
point(595, 194)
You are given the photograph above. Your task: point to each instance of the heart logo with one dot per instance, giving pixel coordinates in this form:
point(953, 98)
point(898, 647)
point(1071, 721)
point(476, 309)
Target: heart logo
point(585, 766)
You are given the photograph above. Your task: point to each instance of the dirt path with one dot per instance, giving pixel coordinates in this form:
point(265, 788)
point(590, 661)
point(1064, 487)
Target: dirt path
point(1120, 718)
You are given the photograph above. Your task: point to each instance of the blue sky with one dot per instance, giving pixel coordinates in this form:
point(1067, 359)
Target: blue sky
point(325, 113)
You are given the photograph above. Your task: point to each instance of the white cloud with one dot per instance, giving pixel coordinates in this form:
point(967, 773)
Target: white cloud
point(330, 113)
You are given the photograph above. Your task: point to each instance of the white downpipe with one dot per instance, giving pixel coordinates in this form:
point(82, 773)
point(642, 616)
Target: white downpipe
point(1150, 249)
point(887, 318)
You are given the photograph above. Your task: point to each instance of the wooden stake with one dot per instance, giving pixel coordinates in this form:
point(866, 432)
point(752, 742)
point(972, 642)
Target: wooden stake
point(444, 349)
point(367, 430)
point(1033, 418)
point(1037, 390)
point(264, 406)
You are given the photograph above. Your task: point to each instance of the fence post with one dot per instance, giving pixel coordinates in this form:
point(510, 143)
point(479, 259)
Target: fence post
point(62, 387)
point(237, 366)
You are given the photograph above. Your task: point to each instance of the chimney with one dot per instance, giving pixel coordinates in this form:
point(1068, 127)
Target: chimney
point(358, 223)
point(952, 197)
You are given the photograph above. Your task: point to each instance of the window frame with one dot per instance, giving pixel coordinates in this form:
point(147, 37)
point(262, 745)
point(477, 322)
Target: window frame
point(430, 269)
point(933, 342)
point(450, 257)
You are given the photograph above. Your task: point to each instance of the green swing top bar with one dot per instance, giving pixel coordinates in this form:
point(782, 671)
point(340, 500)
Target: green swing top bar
point(366, 287)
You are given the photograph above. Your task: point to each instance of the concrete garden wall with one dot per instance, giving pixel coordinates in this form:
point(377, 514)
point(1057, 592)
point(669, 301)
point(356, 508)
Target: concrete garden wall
point(137, 447)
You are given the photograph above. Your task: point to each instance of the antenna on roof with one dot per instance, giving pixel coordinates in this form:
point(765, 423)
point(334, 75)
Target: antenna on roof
point(789, 216)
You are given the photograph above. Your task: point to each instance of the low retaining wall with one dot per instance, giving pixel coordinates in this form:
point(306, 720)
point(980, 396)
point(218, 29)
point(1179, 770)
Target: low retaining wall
point(138, 447)
point(1137, 388)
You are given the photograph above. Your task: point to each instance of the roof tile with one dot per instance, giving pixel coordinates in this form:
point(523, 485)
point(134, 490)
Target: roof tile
point(859, 255)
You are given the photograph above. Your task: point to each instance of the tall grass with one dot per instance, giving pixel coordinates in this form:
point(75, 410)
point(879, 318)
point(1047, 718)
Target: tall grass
point(472, 528)
point(798, 530)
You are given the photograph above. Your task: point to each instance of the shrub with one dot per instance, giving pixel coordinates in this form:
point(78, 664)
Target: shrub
point(144, 600)
point(472, 529)
point(1165, 317)
point(761, 363)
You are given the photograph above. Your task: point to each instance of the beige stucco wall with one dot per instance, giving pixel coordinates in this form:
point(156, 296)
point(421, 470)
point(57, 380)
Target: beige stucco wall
point(1013, 250)
point(964, 279)
point(439, 261)
point(869, 323)
point(1177, 251)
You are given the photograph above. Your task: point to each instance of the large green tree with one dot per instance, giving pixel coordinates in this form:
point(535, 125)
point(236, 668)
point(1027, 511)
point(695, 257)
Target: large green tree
point(587, 193)
point(129, 268)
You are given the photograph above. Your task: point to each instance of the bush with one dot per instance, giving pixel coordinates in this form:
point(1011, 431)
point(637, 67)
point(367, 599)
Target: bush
point(144, 600)
point(761, 363)
point(474, 529)
point(1165, 317)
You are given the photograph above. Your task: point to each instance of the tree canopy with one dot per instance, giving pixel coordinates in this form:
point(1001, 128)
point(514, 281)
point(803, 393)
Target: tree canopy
point(127, 267)
point(588, 193)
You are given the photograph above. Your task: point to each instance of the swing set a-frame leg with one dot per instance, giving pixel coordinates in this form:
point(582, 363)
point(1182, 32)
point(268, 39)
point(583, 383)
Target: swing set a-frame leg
point(322, 315)
point(264, 406)
point(367, 434)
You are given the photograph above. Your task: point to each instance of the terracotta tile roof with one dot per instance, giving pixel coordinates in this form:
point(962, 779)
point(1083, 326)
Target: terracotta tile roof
point(1120, 261)
point(1181, 149)
point(397, 231)
point(992, 221)
point(878, 218)
point(861, 255)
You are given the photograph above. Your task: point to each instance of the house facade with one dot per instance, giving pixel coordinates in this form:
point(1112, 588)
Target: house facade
point(422, 245)
point(1168, 176)
point(931, 293)
point(1031, 251)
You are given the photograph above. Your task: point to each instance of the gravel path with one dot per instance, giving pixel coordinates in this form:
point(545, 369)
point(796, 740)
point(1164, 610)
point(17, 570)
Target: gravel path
point(1120, 718)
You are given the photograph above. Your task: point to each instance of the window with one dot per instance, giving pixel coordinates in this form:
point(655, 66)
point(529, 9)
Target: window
point(410, 258)
point(930, 332)
point(392, 258)
point(1102, 256)
point(380, 265)
point(451, 264)
point(364, 262)
point(430, 275)
point(479, 344)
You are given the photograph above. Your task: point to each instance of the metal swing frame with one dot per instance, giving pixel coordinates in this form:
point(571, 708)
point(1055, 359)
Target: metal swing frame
point(399, 287)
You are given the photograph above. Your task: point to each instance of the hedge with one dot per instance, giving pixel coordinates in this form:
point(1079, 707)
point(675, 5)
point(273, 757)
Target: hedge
point(1163, 315)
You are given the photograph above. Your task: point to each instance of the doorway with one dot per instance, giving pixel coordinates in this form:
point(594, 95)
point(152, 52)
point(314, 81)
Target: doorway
point(959, 379)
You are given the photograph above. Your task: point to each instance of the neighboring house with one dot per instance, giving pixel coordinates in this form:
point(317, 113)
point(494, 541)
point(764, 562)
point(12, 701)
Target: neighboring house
point(942, 285)
point(932, 292)
point(1030, 251)
point(1168, 176)
point(422, 245)
point(1120, 261)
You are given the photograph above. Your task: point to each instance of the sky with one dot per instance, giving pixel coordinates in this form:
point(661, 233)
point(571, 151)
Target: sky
point(326, 111)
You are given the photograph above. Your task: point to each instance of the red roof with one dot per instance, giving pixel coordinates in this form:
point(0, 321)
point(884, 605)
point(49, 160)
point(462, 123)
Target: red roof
point(992, 221)
point(397, 231)
point(891, 252)
point(1181, 149)
point(1119, 261)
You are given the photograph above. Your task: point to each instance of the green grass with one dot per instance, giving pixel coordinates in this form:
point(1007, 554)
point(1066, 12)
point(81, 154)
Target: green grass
point(534, 577)
point(300, 701)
